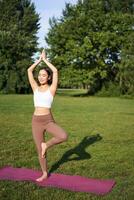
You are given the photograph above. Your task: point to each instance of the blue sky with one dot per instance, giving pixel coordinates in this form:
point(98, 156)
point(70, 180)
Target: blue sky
point(47, 9)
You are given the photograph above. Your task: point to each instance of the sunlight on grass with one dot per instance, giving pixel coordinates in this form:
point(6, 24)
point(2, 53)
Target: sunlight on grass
point(100, 144)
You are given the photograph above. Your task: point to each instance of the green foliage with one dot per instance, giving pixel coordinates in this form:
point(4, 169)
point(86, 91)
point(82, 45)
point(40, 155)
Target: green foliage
point(126, 67)
point(18, 42)
point(109, 89)
point(90, 37)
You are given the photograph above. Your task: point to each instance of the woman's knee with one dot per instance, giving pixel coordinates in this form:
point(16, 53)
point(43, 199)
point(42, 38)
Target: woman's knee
point(64, 137)
point(59, 132)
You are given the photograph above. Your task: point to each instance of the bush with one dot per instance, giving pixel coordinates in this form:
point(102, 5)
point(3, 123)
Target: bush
point(109, 89)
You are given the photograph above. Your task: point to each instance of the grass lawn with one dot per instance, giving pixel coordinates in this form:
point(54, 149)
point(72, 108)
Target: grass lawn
point(101, 142)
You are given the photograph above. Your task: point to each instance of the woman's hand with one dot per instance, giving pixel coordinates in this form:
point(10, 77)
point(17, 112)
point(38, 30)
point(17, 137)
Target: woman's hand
point(40, 58)
point(44, 57)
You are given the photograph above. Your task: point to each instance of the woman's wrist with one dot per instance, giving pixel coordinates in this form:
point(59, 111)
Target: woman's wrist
point(44, 59)
point(39, 60)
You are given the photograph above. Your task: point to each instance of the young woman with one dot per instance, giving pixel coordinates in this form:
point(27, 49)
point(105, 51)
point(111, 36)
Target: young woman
point(42, 119)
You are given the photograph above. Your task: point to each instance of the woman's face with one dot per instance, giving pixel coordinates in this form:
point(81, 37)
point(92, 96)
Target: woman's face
point(43, 77)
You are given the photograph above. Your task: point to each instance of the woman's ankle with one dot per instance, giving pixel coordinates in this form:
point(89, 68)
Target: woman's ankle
point(45, 172)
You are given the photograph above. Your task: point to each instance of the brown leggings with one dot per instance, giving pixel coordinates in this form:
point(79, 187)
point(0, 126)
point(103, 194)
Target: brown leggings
point(41, 124)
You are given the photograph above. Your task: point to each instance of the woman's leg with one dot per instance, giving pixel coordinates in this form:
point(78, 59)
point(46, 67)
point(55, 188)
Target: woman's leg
point(37, 132)
point(59, 136)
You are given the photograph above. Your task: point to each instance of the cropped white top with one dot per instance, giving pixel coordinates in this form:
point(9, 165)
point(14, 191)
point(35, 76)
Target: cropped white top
point(43, 99)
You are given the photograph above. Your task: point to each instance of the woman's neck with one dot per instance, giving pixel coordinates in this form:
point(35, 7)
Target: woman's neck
point(44, 86)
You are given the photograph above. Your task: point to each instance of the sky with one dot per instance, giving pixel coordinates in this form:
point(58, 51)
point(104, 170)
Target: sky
point(47, 9)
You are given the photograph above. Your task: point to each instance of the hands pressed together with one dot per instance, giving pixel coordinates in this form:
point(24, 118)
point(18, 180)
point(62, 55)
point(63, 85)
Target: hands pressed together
point(43, 56)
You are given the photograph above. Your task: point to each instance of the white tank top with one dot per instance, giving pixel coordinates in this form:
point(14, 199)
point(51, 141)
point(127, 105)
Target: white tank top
point(43, 99)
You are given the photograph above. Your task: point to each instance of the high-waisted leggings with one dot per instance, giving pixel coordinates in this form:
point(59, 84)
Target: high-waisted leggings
point(41, 124)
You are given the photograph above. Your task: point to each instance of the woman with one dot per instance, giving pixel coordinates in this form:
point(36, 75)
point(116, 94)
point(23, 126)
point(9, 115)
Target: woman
point(42, 119)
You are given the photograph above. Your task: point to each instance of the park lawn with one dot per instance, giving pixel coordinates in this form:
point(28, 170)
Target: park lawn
point(101, 139)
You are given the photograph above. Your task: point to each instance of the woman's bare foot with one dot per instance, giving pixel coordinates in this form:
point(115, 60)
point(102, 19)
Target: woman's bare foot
point(44, 148)
point(43, 177)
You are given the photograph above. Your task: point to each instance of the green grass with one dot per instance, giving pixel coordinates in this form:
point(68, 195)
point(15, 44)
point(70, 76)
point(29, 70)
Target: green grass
point(100, 144)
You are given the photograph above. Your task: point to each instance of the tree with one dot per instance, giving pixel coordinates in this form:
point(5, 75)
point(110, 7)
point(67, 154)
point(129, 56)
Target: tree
point(90, 37)
point(18, 42)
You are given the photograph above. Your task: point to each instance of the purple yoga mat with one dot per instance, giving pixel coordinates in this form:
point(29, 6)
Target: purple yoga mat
point(68, 182)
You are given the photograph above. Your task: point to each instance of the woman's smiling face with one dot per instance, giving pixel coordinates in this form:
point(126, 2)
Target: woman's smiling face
point(43, 77)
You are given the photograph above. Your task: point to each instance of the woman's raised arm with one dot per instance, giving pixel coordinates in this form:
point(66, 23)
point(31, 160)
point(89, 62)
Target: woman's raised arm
point(54, 84)
point(31, 79)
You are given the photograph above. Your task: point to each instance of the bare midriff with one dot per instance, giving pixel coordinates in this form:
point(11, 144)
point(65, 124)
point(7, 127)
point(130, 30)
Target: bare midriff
point(42, 111)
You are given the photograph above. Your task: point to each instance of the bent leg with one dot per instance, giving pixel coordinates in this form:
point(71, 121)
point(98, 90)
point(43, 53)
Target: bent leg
point(59, 134)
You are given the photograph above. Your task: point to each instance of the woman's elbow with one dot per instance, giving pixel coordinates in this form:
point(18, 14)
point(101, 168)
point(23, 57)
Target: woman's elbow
point(29, 70)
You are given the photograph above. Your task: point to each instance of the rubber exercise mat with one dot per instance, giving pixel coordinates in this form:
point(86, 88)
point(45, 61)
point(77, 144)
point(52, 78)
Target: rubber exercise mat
point(68, 182)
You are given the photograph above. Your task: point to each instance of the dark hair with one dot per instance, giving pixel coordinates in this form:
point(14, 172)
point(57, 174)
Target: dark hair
point(49, 72)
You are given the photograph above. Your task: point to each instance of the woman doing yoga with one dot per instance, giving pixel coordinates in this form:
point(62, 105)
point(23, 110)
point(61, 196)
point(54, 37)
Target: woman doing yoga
point(42, 118)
